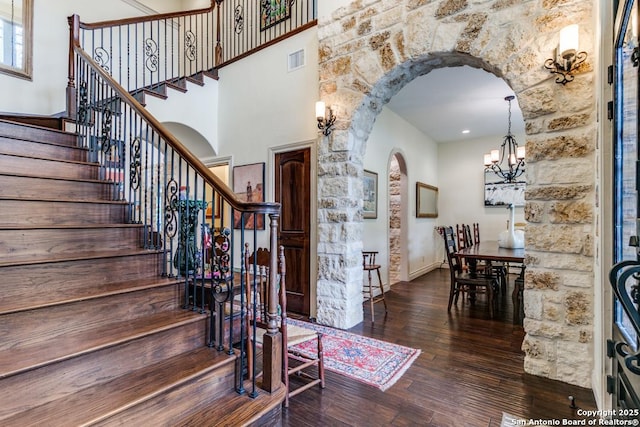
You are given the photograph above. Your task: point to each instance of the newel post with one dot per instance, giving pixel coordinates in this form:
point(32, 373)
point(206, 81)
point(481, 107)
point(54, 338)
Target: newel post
point(74, 40)
point(272, 340)
point(218, 51)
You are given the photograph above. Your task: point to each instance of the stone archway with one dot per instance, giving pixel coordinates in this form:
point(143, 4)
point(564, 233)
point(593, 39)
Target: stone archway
point(367, 54)
point(397, 233)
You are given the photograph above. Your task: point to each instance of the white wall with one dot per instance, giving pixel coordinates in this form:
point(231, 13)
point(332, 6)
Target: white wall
point(461, 195)
point(45, 94)
point(391, 134)
point(264, 106)
point(197, 108)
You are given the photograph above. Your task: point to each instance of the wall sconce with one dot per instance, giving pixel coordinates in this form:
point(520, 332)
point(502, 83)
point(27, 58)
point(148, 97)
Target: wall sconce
point(326, 118)
point(567, 58)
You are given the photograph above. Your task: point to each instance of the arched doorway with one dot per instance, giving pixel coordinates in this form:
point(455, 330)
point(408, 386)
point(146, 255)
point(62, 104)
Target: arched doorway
point(367, 55)
point(397, 234)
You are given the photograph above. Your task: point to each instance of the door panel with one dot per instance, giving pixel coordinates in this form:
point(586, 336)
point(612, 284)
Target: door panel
point(293, 192)
point(624, 383)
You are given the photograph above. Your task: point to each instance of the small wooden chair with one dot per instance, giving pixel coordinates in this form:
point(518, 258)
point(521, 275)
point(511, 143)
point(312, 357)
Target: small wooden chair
point(291, 336)
point(369, 265)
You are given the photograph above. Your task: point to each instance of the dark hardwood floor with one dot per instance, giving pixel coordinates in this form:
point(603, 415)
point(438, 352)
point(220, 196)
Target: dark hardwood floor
point(470, 370)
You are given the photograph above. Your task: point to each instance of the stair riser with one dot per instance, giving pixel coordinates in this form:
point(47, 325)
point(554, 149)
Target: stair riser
point(31, 187)
point(29, 286)
point(41, 243)
point(169, 408)
point(32, 327)
point(39, 386)
point(15, 130)
point(32, 213)
point(51, 168)
point(39, 149)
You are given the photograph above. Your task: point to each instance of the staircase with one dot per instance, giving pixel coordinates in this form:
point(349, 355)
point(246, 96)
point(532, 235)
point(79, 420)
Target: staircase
point(91, 333)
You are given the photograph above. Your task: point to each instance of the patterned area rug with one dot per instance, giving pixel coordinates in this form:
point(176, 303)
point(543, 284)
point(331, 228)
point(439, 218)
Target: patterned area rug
point(363, 359)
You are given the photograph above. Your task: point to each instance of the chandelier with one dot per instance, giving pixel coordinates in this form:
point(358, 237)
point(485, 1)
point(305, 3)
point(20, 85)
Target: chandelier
point(510, 151)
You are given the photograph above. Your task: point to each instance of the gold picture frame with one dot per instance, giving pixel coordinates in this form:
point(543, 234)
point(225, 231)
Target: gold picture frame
point(426, 200)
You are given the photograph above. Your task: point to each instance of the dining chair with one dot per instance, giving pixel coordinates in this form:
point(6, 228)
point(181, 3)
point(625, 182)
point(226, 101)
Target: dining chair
point(463, 282)
point(499, 268)
point(369, 265)
point(306, 366)
point(476, 233)
point(463, 242)
point(461, 236)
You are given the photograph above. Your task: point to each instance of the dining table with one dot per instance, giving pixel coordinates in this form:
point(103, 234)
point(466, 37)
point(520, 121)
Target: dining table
point(490, 252)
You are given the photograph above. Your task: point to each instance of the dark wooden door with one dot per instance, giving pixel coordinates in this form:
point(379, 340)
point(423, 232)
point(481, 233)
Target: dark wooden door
point(293, 192)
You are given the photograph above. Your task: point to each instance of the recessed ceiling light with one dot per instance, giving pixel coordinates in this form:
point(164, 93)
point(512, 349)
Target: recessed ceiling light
point(466, 131)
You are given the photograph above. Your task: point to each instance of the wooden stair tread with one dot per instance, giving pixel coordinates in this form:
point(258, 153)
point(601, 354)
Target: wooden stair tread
point(37, 353)
point(75, 162)
point(236, 410)
point(96, 403)
point(86, 294)
point(45, 199)
point(74, 257)
point(34, 132)
point(54, 178)
point(86, 226)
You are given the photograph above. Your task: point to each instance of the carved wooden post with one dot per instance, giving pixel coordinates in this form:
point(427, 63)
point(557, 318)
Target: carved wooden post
point(74, 40)
point(272, 341)
point(218, 52)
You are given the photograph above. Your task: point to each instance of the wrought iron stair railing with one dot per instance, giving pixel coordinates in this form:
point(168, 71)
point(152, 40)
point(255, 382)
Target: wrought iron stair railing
point(149, 53)
point(198, 225)
point(624, 278)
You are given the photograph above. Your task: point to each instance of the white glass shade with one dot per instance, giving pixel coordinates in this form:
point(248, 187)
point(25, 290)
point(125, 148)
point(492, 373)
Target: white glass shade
point(495, 156)
point(320, 110)
point(568, 44)
point(487, 159)
point(521, 153)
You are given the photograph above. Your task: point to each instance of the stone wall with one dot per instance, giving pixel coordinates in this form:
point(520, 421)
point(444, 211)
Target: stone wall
point(370, 49)
point(395, 220)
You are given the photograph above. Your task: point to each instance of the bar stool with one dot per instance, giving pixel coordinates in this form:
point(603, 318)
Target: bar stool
point(369, 265)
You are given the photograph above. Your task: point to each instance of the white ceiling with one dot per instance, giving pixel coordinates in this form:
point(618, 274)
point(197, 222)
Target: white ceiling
point(447, 101)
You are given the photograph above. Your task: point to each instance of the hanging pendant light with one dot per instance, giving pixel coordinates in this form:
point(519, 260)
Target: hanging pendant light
point(508, 151)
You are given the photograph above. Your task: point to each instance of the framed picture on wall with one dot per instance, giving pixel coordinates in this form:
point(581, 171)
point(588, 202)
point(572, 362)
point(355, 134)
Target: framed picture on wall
point(273, 12)
point(500, 193)
point(248, 185)
point(426, 201)
point(370, 198)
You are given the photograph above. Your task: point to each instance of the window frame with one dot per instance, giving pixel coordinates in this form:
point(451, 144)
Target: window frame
point(26, 69)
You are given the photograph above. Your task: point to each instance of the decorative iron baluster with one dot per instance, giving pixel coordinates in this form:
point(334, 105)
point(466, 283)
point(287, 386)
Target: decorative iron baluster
point(135, 165)
point(83, 108)
point(101, 56)
point(190, 45)
point(238, 19)
point(170, 209)
point(105, 138)
point(151, 53)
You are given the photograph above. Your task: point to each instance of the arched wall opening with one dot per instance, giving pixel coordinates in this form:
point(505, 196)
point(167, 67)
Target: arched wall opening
point(398, 206)
point(368, 54)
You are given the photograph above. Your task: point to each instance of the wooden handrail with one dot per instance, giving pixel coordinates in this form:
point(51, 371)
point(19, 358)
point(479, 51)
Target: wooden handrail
point(208, 176)
point(139, 19)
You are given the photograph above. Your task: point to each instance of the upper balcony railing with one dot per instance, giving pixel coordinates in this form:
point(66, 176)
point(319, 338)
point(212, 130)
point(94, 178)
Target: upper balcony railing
point(250, 25)
point(147, 52)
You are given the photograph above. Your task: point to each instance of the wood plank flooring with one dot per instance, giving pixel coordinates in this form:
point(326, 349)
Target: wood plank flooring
point(470, 370)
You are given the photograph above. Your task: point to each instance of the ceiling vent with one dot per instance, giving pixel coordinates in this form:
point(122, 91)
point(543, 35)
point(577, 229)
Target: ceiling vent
point(296, 60)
